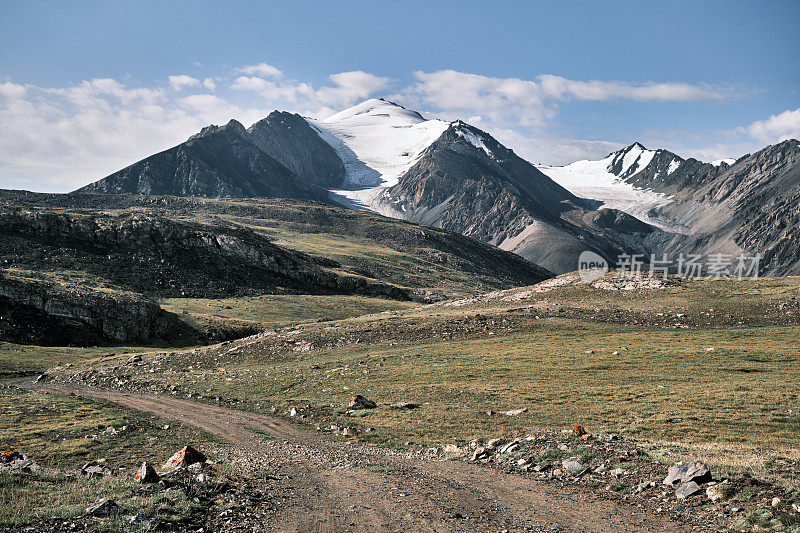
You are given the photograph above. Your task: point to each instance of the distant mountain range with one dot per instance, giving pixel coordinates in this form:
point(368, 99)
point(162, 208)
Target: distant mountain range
point(381, 157)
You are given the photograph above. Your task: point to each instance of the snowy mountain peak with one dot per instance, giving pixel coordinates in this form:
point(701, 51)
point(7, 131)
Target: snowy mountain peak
point(376, 110)
point(630, 160)
point(377, 141)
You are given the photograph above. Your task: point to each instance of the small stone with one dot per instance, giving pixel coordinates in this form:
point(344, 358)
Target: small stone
point(146, 474)
point(687, 489)
point(494, 443)
point(348, 432)
point(511, 447)
point(776, 502)
point(184, 457)
point(490, 412)
point(573, 464)
point(796, 507)
point(479, 452)
point(557, 472)
point(359, 402)
point(578, 430)
point(103, 507)
point(403, 405)
point(293, 411)
point(714, 493)
point(617, 472)
point(515, 412)
point(452, 450)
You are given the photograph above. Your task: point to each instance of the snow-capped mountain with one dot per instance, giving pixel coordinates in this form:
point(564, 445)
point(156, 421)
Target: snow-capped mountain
point(606, 180)
point(385, 158)
point(377, 141)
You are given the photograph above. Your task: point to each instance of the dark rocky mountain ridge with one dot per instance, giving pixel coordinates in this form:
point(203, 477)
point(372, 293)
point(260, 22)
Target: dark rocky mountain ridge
point(217, 162)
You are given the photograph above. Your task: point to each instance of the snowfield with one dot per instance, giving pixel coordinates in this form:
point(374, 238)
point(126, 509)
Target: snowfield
point(591, 179)
point(378, 141)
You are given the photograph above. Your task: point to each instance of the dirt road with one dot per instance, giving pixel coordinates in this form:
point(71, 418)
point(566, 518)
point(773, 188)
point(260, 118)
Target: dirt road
point(327, 486)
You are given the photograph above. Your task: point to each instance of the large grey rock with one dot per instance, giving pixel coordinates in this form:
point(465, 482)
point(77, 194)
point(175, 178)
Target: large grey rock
point(681, 473)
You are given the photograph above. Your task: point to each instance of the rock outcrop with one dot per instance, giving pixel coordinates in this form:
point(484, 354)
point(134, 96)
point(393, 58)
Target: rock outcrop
point(45, 310)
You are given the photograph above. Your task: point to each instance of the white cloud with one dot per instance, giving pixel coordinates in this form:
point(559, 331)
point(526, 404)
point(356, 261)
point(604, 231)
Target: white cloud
point(12, 90)
point(560, 88)
point(262, 69)
point(179, 82)
point(348, 88)
point(507, 101)
point(776, 128)
point(209, 84)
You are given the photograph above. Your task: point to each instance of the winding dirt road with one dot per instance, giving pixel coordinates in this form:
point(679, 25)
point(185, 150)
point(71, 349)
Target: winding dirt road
point(328, 486)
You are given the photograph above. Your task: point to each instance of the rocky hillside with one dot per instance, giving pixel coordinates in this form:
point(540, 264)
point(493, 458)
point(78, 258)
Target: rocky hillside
point(49, 310)
point(157, 255)
point(749, 207)
point(288, 138)
point(354, 245)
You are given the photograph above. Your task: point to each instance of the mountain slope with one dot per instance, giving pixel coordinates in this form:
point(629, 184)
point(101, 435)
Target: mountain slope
point(220, 161)
point(290, 140)
point(465, 181)
point(612, 180)
point(353, 245)
point(744, 207)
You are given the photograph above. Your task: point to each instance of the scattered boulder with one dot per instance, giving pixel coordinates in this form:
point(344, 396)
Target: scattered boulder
point(184, 457)
point(573, 464)
point(515, 412)
point(714, 491)
point(146, 474)
point(359, 402)
point(494, 443)
point(681, 473)
point(144, 521)
point(95, 469)
point(348, 432)
point(403, 405)
point(452, 450)
point(687, 489)
point(479, 453)
point(104, 507)
point(19, 464)
point(578, 430)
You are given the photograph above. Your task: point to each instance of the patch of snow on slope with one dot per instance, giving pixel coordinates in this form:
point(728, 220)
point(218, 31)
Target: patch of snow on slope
point(474, 140)
point(591, 179)
point(673, 166)
point(378, 141)
point(718, 162)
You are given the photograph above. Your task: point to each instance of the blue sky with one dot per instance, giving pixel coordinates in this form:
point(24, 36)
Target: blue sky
point(89, 87)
